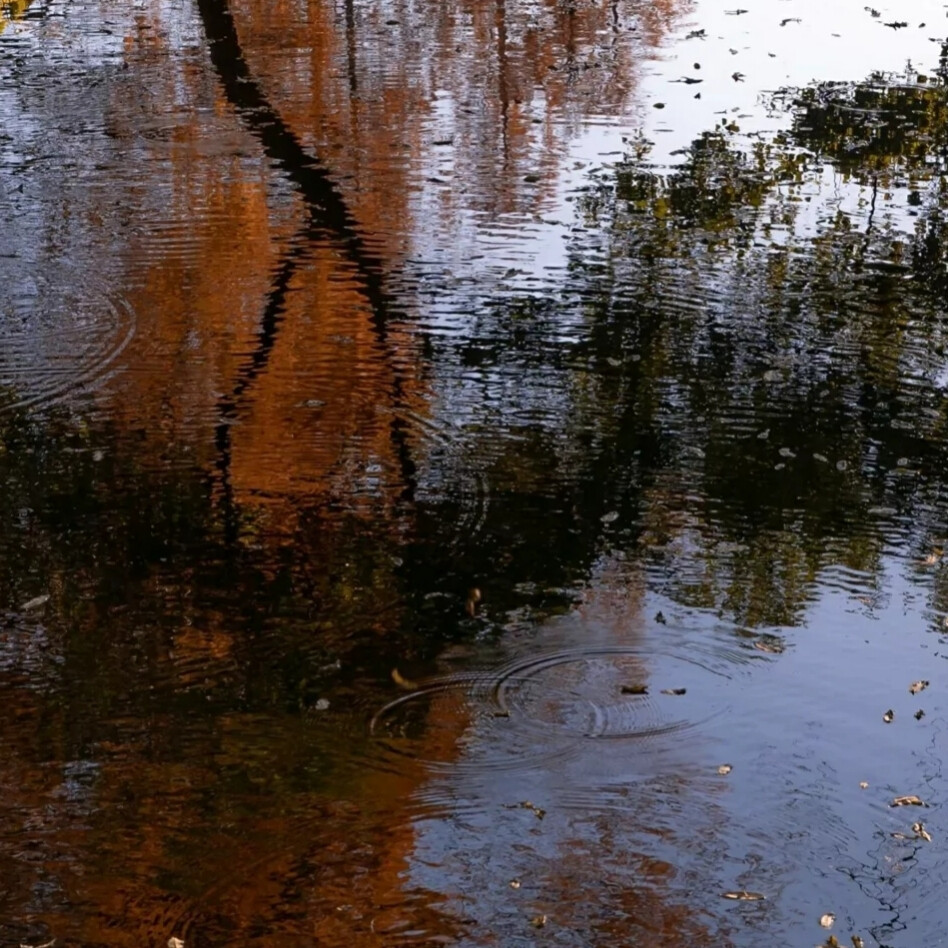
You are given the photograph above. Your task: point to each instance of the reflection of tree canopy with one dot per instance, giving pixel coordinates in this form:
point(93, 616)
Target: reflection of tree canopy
point(757, 385)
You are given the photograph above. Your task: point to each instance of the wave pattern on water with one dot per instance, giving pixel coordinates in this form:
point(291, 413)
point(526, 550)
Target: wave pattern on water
point(61, 332)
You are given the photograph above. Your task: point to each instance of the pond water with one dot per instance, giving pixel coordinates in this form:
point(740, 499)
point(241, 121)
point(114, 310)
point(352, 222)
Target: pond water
point(473, 473)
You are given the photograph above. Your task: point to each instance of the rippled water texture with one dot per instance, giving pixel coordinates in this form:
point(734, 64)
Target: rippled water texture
point(473, 473)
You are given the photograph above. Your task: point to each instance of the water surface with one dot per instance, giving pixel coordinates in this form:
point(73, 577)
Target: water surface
point(472, 473)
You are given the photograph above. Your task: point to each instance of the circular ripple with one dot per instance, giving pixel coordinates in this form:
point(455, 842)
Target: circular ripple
point(60, 333)
point(581, 691)
point(546, 707)
point(455, 724)
point(450, 476)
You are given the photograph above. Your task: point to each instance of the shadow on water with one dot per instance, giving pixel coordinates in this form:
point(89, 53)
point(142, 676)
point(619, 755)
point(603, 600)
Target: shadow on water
point(594, 625)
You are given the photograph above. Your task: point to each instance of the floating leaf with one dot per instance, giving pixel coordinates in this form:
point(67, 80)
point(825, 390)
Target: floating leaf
point(402, 681)
point(537, 811)
point(538, 921)
point(744, 896)
point(919, 714)
point(725, 769)
point(473, 598)
point(827, 920)
point(772, 644)
point(918, 686)
point(34, 603)
point(863, 784)
point(920, 832)
point(514, 883)
point(635, 689)
point(889, 716)
point(857, 942)
point(674, 691)
point(910, 800)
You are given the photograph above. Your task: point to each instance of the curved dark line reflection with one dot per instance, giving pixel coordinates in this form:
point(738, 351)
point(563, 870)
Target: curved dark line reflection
point(328, 212)
point(328, 217)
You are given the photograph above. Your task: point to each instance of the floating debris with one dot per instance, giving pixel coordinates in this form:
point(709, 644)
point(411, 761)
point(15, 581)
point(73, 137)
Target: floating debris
point(772, 644)
point(537, 811)
point(514, 883)
point(660, 617)
point(889, 716)
point(725, 769)
point(857, 942)
point(920, 832)
point(635, 689)
point(933, 557)
point(744, 896)
point(538, 921)
point(35, 603)
point(826, 921)
point(910, 800)
point(402, 681)
point(863, 784)
point(473, 598)
point(918, 686)
point(674, 691)
point(175, 942)
point(919, 714)
point(610, 517)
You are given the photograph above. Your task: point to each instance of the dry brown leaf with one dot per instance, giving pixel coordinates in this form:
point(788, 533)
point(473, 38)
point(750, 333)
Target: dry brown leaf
point(918, 686)
point(743, 895)
point(909, 800)
point(538, 921)
point(537, 811)
point(635, 689)
point(857, 941)
point(771, 646)
point(34, 603)
point(920, 832)
point(402, 681)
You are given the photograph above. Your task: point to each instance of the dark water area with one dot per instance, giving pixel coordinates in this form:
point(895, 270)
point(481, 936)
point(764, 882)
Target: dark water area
point(473, 473)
